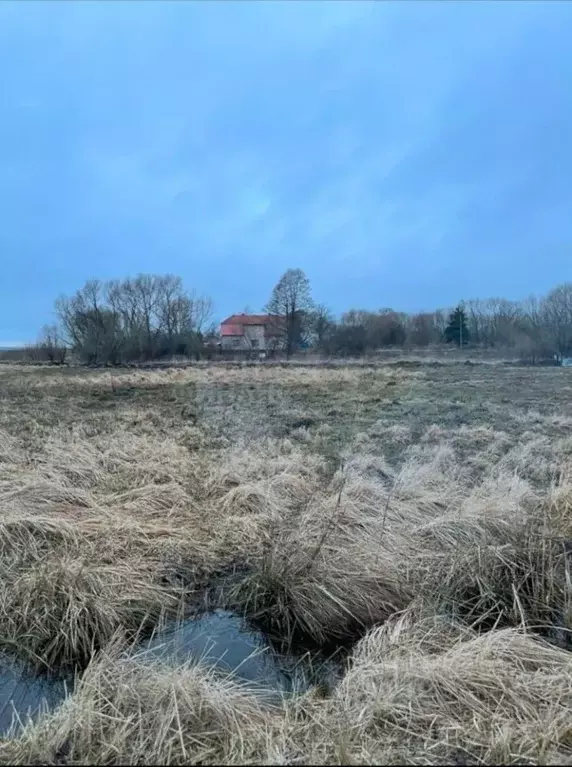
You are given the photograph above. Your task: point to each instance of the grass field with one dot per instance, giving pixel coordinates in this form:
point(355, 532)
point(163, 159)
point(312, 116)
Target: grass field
point(418, 515)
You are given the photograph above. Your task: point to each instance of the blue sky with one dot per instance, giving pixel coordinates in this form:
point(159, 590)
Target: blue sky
point(404, 154)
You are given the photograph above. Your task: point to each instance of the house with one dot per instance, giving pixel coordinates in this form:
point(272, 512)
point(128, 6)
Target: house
point(250, 332)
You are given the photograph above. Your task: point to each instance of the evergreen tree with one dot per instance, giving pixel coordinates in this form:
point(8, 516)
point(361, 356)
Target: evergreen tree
point(457, 331)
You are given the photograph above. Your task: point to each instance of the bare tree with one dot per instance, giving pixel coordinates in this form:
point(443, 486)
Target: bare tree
point(494, 322)
point(322, 323)
point(557, 310)
point(146, 293)
point(86, 323)
point(290, 304)
point(137, 318)
point(201, 312)
point(382, 328)
point(534, 343)
point(51, 345)
point(422, 329)
point(122, 303)
point(173, 311)
point(478, 321)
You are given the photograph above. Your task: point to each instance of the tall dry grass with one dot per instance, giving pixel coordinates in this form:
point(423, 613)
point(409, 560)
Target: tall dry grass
point(430, 692)
point(449, 567)
point(418, 691)
point(129, 712)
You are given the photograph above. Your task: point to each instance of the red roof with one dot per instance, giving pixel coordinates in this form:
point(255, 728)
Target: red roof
point(248, 319)
point(231, 330)
point(234, 325)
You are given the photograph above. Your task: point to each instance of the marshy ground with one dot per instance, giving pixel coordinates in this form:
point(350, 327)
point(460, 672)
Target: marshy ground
point(417, 517)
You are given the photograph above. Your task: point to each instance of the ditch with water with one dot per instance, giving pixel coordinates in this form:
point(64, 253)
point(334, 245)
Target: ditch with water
point(219, 639)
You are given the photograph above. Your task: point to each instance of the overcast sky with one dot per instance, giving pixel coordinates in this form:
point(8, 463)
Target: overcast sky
point(404, 154)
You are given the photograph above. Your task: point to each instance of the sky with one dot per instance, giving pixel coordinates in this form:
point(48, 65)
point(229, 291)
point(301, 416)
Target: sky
point(404, 154)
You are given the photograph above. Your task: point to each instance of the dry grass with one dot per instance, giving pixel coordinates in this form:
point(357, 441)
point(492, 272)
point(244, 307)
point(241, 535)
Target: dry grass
point(419, 691)
point(133, 712)
point(427, 692)
point(423, 511)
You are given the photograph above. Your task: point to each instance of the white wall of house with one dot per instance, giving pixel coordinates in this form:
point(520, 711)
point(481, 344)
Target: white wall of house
point(254, 336)
point(232, 342)
point(253, 339)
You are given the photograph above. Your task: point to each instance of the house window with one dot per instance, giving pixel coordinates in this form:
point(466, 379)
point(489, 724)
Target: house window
point(236, 342)
point(255, 343)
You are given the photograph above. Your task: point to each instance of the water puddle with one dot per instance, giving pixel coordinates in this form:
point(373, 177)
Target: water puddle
point(24, 695)
point(223, 640)
point(219, 639)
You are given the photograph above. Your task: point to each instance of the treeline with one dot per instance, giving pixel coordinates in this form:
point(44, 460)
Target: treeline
point(144, 318)
point(535, 329)
point(151, 317)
